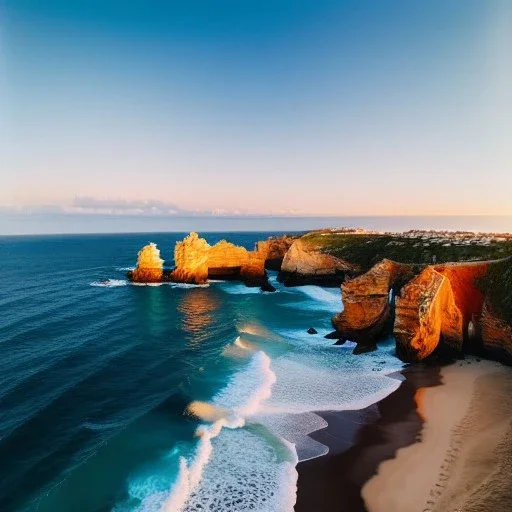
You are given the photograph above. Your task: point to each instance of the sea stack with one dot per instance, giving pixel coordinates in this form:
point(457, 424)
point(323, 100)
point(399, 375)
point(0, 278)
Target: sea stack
point(197, 261)
point(149, 267)
point(191, 260)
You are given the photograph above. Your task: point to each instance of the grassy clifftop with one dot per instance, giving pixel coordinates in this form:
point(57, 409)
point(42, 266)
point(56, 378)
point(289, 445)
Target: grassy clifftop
point(497, 286)
point(418, 247)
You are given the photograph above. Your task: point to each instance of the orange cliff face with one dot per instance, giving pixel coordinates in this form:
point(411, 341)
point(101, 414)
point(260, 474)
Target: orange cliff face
point(305, 264)
point(149, 267)
point(274, 250)
point(437, 306)
point(196, 261)
point(191, 260)
point(365, 299)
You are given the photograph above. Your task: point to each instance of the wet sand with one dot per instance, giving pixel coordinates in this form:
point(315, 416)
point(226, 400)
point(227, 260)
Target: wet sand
point(358, 442)
point(441, 442)
point(463, 459)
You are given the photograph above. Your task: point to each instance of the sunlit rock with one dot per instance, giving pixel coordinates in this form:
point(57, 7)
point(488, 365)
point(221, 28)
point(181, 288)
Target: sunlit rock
point(366, 304)
point(149, 267)
point(304, 263)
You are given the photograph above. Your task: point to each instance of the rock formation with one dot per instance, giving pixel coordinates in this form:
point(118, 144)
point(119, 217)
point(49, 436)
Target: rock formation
point(229, 261)
point(196, 261)
point(274, 250)
point(306, 264)
point(435, 309)
point(366, 305)
point(191, 260)
point(494, 326)
point(495, 334)
point(149, 267)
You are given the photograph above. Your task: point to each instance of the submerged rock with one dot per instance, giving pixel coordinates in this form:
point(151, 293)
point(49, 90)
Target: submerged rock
point(311, 330)
point(363, 348)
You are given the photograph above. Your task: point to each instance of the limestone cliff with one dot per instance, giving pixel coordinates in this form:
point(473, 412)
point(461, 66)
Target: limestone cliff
point(494, 325)
point(196, 261)
point(436, 308)
point(191, 260)
point(226, 260)
point(274, 250)
point(366, 307)
point(304, 263)
point(496, 334)
point(149, 267)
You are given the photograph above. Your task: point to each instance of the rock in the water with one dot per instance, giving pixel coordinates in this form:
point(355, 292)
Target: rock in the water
point(191, 260)
point(149, 267)
point(196, 261)
point(341, 341)
point(334, 335)
point(366, 307)
point(363, 348)
point(311, 330)
point(267, 287)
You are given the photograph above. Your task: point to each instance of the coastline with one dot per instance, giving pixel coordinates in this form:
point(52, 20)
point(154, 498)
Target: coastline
point(358, 442)
point(440, 442)
point(461, 462)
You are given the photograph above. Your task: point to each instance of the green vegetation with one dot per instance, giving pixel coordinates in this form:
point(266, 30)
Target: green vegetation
point(368, 249)
point(497, 286)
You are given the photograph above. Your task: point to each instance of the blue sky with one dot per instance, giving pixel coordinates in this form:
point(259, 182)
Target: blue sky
point(256, 107)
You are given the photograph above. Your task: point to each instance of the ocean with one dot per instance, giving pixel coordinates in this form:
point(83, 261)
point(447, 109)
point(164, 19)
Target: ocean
point(117, 397)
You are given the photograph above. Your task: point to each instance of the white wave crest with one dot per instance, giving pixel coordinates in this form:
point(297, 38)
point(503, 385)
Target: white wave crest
point(241, 398)
point(110, 283)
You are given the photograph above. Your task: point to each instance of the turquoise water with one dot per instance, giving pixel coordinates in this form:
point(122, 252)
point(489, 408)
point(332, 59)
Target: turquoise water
point(95, 378)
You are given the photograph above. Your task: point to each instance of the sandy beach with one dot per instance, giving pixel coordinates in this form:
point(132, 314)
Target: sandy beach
point(442, 442)
point(358, 442)
point(461, 462)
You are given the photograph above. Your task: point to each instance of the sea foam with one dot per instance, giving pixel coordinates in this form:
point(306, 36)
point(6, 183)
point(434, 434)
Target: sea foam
point(230, 408)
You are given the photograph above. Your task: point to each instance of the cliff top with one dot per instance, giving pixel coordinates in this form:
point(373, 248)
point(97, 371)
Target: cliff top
point(416, 247)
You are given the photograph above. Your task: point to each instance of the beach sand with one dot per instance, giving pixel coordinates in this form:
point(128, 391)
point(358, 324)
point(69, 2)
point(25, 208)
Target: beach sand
point(358, 442)
point(462, 462)
point(442, 442)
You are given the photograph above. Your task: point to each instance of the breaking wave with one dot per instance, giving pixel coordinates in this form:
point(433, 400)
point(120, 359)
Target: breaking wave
point(230, 409)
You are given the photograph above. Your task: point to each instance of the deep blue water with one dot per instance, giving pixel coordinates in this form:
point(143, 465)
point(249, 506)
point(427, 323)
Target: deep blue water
point(94, 381)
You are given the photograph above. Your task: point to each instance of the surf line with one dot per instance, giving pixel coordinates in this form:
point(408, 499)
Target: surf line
point(190, 473)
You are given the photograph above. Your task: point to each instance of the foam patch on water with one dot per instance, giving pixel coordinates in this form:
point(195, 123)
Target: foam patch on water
point(246, 472)
point(326, 382)
point(124, 269)
point(239, 349)
point(235, 288)
point(233, 405)
point(317, 299)
point(294, 428)
point(110, 283)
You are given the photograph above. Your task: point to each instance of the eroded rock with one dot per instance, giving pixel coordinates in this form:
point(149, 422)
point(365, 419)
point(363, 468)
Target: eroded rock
point(306, 264)
point(366, 307)
point(149, 267)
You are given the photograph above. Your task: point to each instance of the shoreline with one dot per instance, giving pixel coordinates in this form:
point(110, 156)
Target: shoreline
point(358, 442)
point(441, 441)
point(463, 459)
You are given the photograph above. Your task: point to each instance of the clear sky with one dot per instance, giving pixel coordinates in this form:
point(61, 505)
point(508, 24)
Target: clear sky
point(315, 107)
